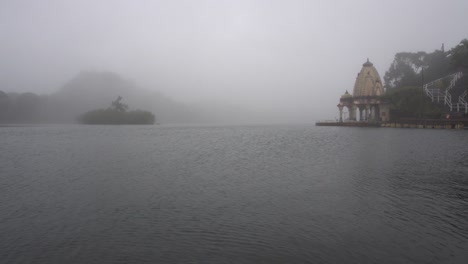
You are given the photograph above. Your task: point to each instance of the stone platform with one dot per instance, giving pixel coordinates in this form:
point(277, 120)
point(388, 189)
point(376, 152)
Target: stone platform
point(348, 124)
point(404, 123)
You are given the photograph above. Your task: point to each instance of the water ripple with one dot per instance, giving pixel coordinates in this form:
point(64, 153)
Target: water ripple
point(256, 194)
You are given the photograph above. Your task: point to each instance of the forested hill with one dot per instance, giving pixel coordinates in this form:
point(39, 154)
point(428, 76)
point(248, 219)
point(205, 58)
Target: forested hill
point(91, 90)
point(87, 91)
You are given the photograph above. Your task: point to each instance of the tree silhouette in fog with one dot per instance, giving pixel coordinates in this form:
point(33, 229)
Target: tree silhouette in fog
point(117, 114)
point(459, 55)
point(4, 106)
point(118, 105)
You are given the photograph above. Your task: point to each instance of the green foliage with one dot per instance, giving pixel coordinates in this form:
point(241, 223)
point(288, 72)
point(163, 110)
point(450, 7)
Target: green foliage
point(139, 117)
point(21, 108)
point(403, 70)
point(117, 105)
point(412, 69)
point(117, 115)
point(103, 116)
point(459, 55)
point(410, 102)
point(436, 65)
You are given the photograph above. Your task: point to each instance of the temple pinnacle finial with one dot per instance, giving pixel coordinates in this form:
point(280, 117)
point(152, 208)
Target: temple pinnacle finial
point(367, 63)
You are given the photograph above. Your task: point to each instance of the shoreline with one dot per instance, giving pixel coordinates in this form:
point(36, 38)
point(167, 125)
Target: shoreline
point(404, 123)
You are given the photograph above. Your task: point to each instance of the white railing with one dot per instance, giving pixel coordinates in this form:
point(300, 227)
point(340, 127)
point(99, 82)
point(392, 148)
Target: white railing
point(428, 92)
point(463, 95)
point(436, 94)
point(448, 96)
point(439, 95)
point(448, 99)
point(456, 77)
point(461, 101)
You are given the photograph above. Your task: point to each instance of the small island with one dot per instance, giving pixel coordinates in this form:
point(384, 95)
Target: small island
point(117, 114)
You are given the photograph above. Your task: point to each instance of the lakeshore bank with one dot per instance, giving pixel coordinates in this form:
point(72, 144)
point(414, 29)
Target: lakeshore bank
point(404, 123)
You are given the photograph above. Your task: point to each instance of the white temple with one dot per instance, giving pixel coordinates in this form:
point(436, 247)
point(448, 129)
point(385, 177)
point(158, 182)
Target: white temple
point(366, 97)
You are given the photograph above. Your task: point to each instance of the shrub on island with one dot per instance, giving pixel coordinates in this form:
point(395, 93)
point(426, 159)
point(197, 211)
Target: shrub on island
point(117, 114)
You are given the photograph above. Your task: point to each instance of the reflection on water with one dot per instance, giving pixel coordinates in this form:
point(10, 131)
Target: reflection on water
point(129, 194)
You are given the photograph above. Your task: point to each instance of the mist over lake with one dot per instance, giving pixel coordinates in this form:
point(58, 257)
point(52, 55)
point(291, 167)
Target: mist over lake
point(178, 131)
point(232, 194)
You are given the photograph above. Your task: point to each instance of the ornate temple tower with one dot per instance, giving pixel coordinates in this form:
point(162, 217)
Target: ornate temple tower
point(368, 81)
point(366, 97)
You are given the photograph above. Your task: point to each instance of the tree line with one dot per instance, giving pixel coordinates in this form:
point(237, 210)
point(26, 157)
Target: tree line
point(21, 108)
point(32, 108)
point(117, 114)
point(410, 70)
point(415, 68)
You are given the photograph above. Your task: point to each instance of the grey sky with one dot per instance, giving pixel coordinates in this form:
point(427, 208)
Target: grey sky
point(291, 56)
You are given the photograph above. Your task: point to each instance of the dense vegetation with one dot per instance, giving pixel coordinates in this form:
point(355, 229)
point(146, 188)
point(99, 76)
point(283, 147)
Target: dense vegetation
point(117, 114)
point(408, 72)
point(410, 102)
point(414, 68)
point(20, 108)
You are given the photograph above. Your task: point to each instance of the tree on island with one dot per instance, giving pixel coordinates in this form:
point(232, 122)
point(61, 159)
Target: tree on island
point(118, 106)
point(117, 114)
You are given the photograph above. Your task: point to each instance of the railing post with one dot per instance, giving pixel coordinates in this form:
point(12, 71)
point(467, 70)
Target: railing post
point(447, 97)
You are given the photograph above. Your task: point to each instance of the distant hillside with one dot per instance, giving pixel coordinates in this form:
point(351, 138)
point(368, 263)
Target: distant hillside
point(91, 90)
point(95, 90)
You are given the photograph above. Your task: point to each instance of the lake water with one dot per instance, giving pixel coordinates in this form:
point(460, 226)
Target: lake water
point(232, 194)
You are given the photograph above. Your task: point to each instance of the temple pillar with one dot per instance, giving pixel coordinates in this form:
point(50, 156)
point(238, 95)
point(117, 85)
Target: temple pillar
point(377, 113)
point(367, 112)
point(361, 116)
point(341, 113)
point(352, 112)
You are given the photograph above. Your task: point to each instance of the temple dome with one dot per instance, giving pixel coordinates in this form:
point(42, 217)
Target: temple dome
point(368, 81)
point(346, 95)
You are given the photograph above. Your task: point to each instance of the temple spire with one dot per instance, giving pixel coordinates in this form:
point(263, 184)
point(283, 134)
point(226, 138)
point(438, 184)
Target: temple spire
point(368, 63)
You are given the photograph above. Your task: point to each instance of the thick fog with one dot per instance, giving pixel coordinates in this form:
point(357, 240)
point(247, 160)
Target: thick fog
point(276, 61)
